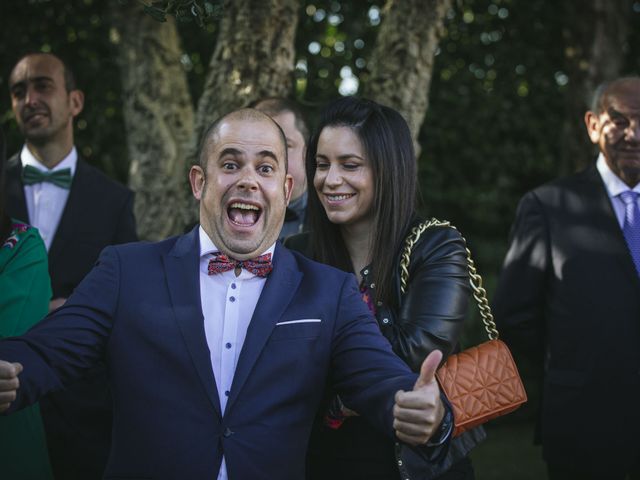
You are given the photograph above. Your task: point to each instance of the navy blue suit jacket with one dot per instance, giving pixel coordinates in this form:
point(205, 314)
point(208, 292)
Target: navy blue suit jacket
point(140, 309)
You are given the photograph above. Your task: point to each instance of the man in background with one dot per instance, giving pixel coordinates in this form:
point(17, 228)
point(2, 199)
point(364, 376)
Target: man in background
point(288, 115)
point(78, 211)
point(568, 298)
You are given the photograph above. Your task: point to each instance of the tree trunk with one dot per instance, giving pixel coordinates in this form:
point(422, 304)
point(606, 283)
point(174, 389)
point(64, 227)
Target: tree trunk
point(253, 57)
point(159, 118)
point(402, 60)
point(595, 47)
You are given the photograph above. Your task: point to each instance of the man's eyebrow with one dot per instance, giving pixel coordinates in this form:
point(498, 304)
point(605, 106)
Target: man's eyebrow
point(234, 152)
point(268, 153)
point(20, 83)
point(230, 151)
point(612, 112)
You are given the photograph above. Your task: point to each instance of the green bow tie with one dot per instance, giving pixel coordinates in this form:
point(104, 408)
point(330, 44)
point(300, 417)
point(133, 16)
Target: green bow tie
point(61, 178)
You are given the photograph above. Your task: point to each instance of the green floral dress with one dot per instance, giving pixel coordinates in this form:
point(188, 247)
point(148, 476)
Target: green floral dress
point(25, 291)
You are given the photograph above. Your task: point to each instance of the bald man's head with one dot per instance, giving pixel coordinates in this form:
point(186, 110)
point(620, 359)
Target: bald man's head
point(613, 124)
point(242, 183)
point(249, 115)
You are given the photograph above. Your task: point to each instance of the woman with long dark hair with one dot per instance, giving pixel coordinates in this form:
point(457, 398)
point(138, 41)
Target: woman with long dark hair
point(362, 165)
point(25, 291)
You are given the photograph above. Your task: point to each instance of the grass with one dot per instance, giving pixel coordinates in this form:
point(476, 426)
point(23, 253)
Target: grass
point(508, 453)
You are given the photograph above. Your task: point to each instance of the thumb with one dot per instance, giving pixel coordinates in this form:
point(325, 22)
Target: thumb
point(18, 367)
point(428, 369)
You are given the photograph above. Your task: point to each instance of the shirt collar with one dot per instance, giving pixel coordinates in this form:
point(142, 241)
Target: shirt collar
point(614, 185)
point(70, 161)
point(207, 246)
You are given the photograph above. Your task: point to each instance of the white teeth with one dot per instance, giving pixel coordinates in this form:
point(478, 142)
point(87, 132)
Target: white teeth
point(244, 206)
point(337, 198)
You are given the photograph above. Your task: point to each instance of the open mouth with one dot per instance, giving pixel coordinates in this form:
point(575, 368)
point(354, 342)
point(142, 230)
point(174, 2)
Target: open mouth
point(243, 214)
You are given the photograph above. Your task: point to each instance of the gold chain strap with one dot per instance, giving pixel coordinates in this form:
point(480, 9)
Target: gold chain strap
point(479, 293)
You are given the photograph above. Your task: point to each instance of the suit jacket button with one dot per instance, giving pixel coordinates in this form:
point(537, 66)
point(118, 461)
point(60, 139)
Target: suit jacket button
point(227, 432)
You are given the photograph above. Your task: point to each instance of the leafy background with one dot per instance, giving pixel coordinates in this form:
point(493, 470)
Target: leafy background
point(494, 128)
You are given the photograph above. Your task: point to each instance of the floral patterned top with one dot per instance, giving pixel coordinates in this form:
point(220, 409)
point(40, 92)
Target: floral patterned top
point(17, 228)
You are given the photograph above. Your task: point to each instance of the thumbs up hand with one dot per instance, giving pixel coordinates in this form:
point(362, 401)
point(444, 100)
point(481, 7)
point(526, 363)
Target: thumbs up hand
point(9, 383)
point(418, 413)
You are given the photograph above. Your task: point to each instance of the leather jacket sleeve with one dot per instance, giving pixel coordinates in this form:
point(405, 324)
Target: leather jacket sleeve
point(431, 313)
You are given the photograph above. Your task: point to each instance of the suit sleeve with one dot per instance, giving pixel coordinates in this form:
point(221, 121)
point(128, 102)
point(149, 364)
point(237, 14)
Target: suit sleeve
point(126, 227)
point(518, 305)
point(365, 371)
point(71, 340)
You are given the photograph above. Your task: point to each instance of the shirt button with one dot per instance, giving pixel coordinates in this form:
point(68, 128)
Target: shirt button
point(228, 345)
point(366, 272)
point(385, 320)
point(232, 299)
point(226, 393)
point(227, 432)
point(233, 285)
point(373, 285)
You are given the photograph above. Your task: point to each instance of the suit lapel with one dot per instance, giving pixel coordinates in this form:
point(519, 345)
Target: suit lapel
point(181, 268)
point(277, 293)
point(604, 219)
point(16, 201)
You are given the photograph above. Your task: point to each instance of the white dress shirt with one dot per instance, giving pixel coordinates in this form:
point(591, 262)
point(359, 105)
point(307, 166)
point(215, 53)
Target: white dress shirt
point(615, 187)
point(46, 201)
point(228, 303)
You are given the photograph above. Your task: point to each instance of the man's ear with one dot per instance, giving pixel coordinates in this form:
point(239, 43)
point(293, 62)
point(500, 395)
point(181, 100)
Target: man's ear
point(592, 121)
point(197, 180)
point(76, 100)
point(288, 188)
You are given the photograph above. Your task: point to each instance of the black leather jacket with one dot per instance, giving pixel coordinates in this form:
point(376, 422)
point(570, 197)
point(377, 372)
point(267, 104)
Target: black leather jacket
point(430, 315)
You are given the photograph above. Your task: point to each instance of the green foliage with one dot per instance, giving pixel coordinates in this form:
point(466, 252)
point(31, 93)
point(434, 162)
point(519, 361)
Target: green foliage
point(333, 44)
point(198, 11)
point(494, 128)
point(79, 32)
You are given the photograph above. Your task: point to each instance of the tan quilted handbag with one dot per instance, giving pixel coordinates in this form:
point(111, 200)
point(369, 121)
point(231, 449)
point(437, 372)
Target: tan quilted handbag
point(481, 382)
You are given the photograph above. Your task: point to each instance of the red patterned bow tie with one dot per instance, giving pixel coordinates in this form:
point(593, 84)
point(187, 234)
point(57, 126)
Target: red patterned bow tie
point(260, 266)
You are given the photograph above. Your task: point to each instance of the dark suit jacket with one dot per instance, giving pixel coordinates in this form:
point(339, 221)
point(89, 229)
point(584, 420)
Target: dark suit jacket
point(98, 212)
point(140, 309)
point(569, 294)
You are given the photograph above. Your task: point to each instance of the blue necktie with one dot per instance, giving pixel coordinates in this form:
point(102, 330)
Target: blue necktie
point(631, 228)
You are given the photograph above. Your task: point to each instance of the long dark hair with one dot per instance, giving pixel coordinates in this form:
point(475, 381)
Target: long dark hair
point(388, 147)
point(5, 221)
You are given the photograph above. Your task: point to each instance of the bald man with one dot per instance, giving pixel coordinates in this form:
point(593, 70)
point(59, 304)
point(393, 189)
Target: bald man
point(569, 297)
point(219, 342)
